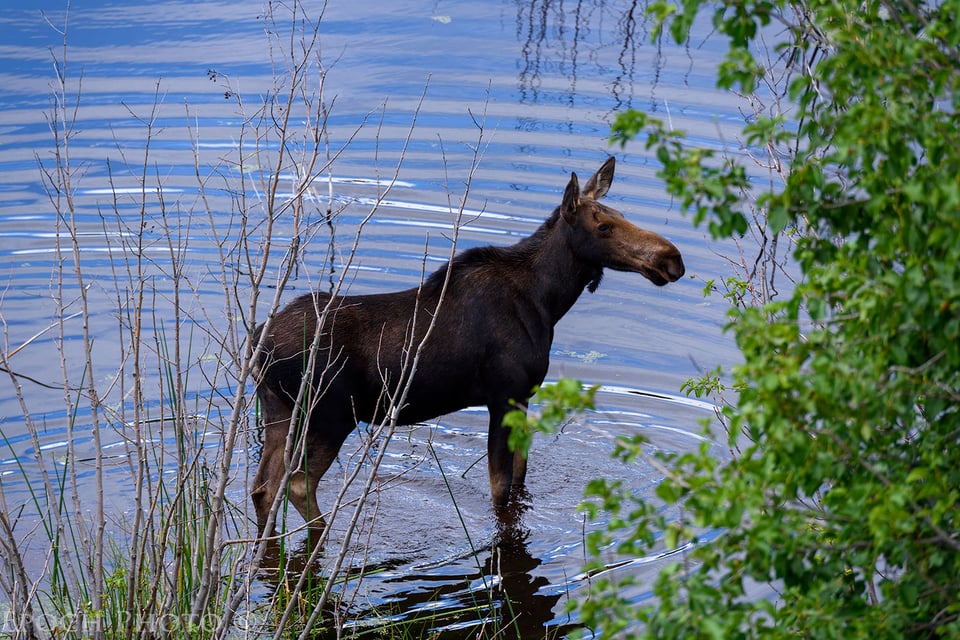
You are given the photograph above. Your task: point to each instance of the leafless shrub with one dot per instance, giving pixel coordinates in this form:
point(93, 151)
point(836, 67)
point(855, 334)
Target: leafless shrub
point(182, 556)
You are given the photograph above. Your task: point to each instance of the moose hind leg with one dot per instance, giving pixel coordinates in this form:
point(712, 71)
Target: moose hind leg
point(318, 455)
point(269, 476)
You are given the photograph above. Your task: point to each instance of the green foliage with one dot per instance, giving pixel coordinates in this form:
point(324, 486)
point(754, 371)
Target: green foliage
point(557, 402)
point(846, 493)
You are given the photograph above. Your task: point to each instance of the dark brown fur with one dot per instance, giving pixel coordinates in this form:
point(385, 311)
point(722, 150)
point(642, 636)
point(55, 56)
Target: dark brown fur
point(490, 344)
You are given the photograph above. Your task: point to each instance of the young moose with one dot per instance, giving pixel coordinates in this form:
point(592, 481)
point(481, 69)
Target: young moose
point(490, 343)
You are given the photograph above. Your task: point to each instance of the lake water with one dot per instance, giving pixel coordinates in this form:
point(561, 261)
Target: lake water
point(526, 90)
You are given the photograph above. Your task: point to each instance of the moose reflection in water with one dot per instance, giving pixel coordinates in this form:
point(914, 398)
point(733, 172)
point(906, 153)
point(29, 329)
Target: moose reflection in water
point(485, 589)
point(490, 314)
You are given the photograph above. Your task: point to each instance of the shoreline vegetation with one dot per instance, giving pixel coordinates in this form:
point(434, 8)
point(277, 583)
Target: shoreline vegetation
point(182, 560)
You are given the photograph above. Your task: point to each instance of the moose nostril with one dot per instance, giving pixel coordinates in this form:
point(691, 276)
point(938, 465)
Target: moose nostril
point(676, 269)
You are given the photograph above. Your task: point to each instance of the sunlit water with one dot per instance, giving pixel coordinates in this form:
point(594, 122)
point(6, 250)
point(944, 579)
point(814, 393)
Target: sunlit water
point(543, 80)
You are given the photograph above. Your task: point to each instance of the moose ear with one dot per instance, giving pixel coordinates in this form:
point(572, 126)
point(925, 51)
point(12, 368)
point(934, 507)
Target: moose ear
point(571, 200)
point(598, 185)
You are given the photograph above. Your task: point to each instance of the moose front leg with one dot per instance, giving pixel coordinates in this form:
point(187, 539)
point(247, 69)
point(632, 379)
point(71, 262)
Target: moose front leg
point(519, 469)
point(508, 469)
point(499, 457)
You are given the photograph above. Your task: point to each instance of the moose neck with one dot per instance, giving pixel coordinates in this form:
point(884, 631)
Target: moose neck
point(558, 275)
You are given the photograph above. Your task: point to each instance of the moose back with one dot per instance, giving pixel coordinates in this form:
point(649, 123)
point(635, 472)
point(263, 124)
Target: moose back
point(490, 322)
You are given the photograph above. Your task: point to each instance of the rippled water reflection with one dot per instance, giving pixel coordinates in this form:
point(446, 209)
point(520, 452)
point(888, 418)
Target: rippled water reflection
point(548, 78)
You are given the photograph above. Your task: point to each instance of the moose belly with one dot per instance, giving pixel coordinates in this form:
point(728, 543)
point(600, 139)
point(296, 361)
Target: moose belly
point(430, 396)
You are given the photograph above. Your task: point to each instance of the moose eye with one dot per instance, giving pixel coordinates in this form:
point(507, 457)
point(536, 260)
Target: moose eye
point(603, 227)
